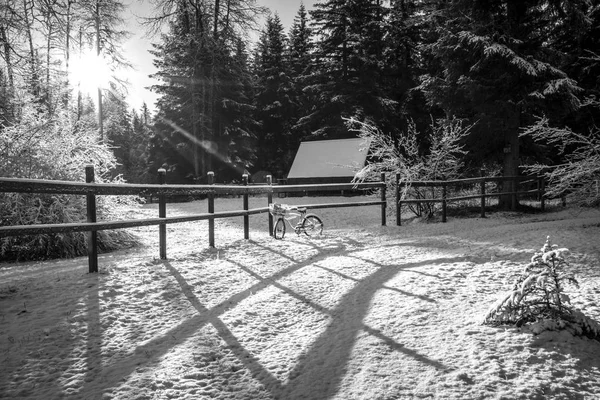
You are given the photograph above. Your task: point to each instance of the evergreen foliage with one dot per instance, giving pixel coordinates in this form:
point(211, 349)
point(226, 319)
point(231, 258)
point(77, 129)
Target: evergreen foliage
point(347, 75)
point(299, 54)
point(496, 62)
point(274, 101)
point(129, 137)
point(205, 118)
point(538, 297)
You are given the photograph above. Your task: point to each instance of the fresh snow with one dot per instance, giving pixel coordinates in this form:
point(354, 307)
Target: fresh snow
point(363, 312)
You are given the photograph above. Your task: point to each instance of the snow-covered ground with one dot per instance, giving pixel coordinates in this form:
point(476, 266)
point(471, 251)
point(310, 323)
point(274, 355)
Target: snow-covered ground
point(363, 312)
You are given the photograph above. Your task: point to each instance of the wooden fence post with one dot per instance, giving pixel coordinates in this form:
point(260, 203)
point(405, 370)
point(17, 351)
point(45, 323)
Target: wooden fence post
point(398, 202)
point(162, 213)
point(92, 236)
point(211, 210)
point(269, 201)
point(444, 202)
point(246, 216)
point(482, 194)
point(383, 199)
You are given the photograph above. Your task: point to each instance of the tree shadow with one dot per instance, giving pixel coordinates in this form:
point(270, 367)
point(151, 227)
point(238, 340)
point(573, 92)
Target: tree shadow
point(323, 251)
point(403, 292)
point(44, 350)
point(251, 363)
point(322, 367)
point(94, 330)
point(320, 372)
point(159, 346)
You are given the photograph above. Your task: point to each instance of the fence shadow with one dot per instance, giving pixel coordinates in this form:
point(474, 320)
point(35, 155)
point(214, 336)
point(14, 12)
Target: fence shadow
point(251, 363)
point(159, 346)
point(322, 366)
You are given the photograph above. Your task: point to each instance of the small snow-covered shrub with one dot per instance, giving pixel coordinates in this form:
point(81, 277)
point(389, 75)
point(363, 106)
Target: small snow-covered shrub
point(538, 297)
point(406, 155)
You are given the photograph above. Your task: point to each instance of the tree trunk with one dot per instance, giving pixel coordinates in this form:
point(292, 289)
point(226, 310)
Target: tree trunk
point(67, 95)
point(79, 96)
point(7, 58)
point(515, 12)
point(216, 20)
point(48, 52)
point(511, 164)
point(98, 51)
point(35, 84)
point(196, 133)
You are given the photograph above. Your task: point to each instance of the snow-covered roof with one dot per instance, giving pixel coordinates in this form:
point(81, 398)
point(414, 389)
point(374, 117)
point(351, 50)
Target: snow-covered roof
point(329, 158)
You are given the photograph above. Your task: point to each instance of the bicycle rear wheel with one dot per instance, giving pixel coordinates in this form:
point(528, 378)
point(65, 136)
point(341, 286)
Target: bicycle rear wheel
point(279, 229)
point(312, 225)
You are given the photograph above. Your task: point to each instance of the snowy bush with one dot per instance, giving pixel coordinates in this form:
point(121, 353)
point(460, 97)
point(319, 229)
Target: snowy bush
point(55, 148)
point(441, 160)
point(579, 176)
point(538, 297)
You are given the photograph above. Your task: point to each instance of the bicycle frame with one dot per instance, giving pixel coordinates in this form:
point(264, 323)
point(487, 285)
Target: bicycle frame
point(296, 218)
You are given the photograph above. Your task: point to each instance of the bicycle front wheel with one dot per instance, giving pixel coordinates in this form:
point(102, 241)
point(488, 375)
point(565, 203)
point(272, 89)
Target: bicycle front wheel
point(312, 225)
point(279, 229)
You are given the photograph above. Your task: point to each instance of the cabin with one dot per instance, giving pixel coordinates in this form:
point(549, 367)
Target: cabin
point(328, 161)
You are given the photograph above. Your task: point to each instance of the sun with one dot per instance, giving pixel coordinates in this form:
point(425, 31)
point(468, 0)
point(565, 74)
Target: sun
point(89, 72)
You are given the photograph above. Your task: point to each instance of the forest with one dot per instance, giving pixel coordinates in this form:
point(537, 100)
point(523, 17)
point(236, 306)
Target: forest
point(508, 86)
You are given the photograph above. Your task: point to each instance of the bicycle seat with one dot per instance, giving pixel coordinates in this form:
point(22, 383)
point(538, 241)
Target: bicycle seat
point(301, 209)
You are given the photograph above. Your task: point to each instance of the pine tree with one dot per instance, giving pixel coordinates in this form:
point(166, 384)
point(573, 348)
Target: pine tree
point(299, 54)
point(204, 108)
point(490, 63)
point(119, 133)
point(347, 80)
point(176, 145)
point(237, 139)
point(300, 45)
point(402, 64)
point(273, 101)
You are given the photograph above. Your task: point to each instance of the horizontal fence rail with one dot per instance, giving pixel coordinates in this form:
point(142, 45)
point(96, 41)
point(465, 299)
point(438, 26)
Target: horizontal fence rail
point(103, 189)
point(90, 189)
point(482, 195)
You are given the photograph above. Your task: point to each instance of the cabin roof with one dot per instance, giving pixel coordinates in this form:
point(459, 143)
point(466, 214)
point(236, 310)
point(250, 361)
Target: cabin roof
point(329, 158)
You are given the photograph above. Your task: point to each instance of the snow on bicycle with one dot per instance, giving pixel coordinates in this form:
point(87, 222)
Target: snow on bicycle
point(296, 218)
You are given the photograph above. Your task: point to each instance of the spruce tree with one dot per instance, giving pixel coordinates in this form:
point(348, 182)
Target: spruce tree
point(347, 80)
point(237, 137)
point(273, 101)
point(491, 62)
point(204, 113)
point(299, 54)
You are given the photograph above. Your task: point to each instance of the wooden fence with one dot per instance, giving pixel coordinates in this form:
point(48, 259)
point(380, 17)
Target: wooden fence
point(90, 189)
point(513, 181)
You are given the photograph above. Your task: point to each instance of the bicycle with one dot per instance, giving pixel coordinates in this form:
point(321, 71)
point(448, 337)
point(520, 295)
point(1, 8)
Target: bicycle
point(308, 224)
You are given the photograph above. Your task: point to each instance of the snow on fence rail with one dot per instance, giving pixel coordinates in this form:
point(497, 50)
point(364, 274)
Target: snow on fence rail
point(513, 193)
point(91, 189)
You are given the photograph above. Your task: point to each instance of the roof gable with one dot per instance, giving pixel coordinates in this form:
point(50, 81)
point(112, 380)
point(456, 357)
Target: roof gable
point(330, 158)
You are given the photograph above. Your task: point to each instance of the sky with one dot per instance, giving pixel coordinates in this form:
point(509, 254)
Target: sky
point(136, 48)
